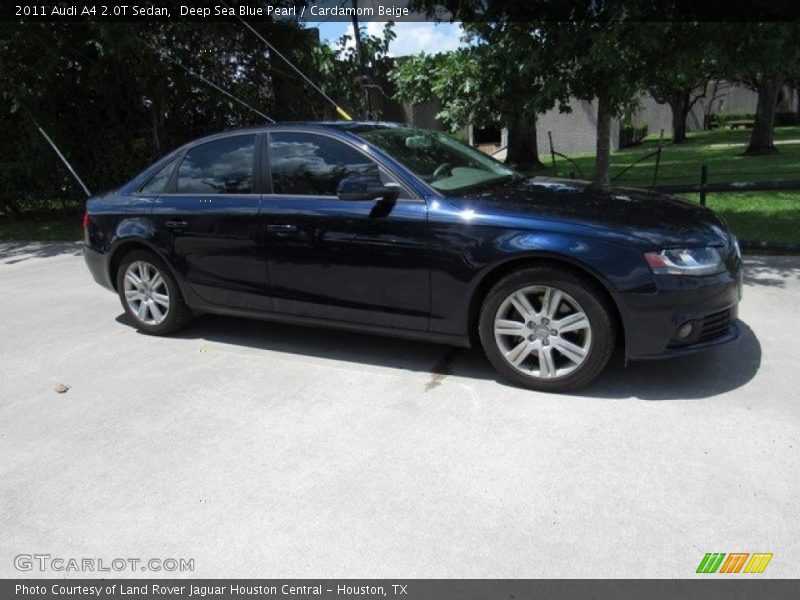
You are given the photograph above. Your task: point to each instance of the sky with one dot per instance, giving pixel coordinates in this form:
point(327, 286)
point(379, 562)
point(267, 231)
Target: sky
point(412, 37)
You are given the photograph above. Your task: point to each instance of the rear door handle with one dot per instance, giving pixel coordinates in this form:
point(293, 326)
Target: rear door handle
point(177, 224)
point(281, 228)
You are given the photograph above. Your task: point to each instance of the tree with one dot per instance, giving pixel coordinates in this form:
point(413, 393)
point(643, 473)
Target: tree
point(681, 76)
point(588, 50)
point(499, 79)
point(602, 60)
point(518, 82)
point(340, 74)
point(762, 56)
point(113, 98)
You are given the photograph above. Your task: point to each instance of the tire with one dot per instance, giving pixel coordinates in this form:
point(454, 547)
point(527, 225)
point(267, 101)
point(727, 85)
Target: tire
point(155, 304)
point(551, 341)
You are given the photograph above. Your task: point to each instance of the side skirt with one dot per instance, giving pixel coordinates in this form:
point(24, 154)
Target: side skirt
point(409, 334)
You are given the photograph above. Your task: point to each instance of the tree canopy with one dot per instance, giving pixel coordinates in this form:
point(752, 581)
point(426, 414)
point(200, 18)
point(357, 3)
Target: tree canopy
point(520, 69)
point(115, 96)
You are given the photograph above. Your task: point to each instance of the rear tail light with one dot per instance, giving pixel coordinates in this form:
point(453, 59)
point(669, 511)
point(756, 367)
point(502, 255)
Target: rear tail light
point(86, 220)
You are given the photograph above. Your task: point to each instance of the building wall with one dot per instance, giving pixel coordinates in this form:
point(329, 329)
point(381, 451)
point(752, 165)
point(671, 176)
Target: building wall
point(423, 115)
point(574, 132)
point(656, 116)
point(732, 98)
point(790, 102)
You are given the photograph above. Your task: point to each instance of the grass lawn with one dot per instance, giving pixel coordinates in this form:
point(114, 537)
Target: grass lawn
point(759, 217)
point(753, 216)
point(720, 149)
point(49, 230)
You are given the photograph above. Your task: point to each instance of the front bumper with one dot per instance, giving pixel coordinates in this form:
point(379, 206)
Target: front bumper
point(710, 304)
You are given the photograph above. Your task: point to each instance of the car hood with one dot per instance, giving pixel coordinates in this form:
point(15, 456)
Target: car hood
point(655, 218)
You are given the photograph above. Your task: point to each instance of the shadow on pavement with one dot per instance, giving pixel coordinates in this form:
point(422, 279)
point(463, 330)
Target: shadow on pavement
point(772, 271)
point(17, 252)
point(697, 376)
point(693, 377)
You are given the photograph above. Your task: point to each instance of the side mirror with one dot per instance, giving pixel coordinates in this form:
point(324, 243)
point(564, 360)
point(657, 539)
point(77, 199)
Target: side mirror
point(366, 186)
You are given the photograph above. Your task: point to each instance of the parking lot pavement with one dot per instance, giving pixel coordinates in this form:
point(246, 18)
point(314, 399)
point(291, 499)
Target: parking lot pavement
point(269, 450)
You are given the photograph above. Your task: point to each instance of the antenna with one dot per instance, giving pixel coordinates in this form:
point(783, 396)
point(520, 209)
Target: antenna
point(340, 111)
point(63, 158)
point(207, 82)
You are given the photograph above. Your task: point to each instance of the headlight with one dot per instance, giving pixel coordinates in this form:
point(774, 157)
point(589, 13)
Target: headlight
point(685, 261)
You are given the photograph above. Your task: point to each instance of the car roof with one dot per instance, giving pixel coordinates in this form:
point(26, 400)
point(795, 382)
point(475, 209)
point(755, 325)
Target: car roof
point(349, 126)
point(344, 125)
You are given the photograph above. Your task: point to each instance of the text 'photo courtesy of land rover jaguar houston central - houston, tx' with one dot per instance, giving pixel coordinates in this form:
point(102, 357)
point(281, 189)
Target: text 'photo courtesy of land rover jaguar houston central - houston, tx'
point(388, 229)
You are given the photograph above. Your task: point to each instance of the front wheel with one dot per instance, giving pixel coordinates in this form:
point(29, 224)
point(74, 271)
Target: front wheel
point(547, 329)
point(150, 295)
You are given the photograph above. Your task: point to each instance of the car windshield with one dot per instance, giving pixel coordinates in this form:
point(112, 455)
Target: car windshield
point(445, 164)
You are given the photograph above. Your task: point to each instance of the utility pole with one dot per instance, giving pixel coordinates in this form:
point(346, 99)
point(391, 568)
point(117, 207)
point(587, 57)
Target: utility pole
point(361, 66)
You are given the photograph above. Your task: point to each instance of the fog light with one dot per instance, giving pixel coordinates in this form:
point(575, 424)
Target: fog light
point(685, 331)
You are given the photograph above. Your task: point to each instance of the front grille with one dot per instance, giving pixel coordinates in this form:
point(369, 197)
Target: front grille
point(714, 326)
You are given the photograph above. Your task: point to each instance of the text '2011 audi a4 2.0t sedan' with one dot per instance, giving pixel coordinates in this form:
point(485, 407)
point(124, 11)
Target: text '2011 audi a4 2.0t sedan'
point(389, 229)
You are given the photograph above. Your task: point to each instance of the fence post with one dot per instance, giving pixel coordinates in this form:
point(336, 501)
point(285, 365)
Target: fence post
point(703, 181)
point(658, 157)
point(552, 152)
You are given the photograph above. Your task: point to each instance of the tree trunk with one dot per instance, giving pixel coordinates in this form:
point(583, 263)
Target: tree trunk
point(523, 147)
point(679, 105)
point(762, 137)
point(602, 161)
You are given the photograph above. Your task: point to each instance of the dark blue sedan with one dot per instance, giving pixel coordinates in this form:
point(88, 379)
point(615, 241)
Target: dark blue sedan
point(389, 229)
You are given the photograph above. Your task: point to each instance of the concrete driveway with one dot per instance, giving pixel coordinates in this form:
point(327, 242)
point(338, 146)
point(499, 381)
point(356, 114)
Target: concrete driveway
point(275, 451)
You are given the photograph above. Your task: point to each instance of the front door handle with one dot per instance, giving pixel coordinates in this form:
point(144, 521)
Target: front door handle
point(177, 224)
point(281, 228)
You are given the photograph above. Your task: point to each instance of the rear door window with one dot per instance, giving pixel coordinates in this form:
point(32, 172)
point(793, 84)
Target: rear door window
point(220, 167)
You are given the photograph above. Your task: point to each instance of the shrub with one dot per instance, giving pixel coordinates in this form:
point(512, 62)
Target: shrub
point(632, 135)
point(787, 119)
point(718, 120)
point(782, 119)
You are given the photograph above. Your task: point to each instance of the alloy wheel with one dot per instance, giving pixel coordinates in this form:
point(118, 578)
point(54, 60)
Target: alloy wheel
point(542, 332)
point(146, 292)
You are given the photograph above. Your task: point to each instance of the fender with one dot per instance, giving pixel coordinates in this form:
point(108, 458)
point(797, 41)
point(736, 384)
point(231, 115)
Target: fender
point(139, 232)
point(625, 275)
point(488, 253)
point(496, 271)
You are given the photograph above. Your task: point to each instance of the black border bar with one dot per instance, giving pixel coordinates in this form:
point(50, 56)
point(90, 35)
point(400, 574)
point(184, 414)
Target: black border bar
point(401, 10)
point(709, 587)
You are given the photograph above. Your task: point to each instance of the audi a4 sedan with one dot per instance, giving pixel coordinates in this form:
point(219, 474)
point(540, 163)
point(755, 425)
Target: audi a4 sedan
point(388, 229)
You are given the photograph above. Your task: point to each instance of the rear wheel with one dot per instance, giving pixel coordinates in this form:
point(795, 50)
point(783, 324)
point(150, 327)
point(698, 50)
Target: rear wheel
point(150, 295)
point(547, 329)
